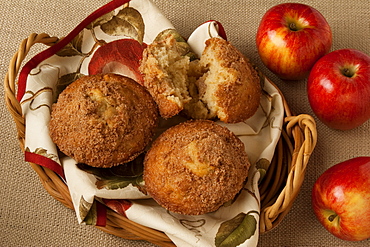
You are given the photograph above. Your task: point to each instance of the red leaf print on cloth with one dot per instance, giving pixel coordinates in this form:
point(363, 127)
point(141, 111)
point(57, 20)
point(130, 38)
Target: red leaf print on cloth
point(118, 205)
point(120, 56)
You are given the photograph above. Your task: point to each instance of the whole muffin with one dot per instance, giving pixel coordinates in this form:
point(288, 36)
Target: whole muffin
point(103, 120)
point(195, 167)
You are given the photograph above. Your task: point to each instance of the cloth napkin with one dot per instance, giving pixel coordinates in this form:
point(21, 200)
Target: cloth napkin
point(140, 22)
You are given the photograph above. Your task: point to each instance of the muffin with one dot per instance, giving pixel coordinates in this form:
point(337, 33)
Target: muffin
point(164, 68)
point(221, 84)
point(103, 120)
point(195, 167)
point(229, 87)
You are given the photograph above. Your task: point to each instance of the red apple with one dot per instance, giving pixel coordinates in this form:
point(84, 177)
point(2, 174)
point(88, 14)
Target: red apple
point(339, 89)
point(291, 37)
point(341, 199)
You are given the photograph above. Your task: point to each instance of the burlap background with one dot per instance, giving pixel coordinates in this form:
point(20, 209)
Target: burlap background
point(29, 216)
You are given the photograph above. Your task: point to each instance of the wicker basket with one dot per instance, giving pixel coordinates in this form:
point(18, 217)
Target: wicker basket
point(278, 189)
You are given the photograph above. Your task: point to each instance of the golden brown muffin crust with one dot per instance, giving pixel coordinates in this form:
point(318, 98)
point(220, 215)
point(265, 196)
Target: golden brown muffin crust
point(231, 86)
point(195, 167)
point(103, 120)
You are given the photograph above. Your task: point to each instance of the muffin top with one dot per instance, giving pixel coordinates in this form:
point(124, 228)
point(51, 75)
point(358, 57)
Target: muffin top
point(103, 120)
point(195, 167)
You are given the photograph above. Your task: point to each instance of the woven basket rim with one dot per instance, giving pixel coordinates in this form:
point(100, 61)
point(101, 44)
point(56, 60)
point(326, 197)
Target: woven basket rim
point(278, 189)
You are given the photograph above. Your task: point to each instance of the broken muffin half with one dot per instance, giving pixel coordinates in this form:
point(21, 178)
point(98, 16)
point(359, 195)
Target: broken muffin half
point(222, 84)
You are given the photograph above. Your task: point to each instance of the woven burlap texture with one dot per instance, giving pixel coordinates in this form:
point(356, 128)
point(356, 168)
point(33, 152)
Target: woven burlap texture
point(29, 216)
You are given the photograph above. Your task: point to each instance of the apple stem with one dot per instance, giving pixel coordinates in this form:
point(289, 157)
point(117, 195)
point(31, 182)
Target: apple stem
point(347, 72)
point(293, 26)
point(332, 217)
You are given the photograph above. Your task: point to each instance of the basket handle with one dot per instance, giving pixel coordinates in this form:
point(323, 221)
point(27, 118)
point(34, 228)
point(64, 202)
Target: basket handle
point(10, 82)
point(301, 132)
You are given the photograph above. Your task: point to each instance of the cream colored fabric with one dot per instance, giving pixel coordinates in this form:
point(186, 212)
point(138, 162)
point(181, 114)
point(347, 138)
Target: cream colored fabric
point(29, 216)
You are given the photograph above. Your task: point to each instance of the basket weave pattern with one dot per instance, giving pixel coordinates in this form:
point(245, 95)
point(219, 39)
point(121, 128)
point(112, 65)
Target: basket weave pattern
point(278, 189)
